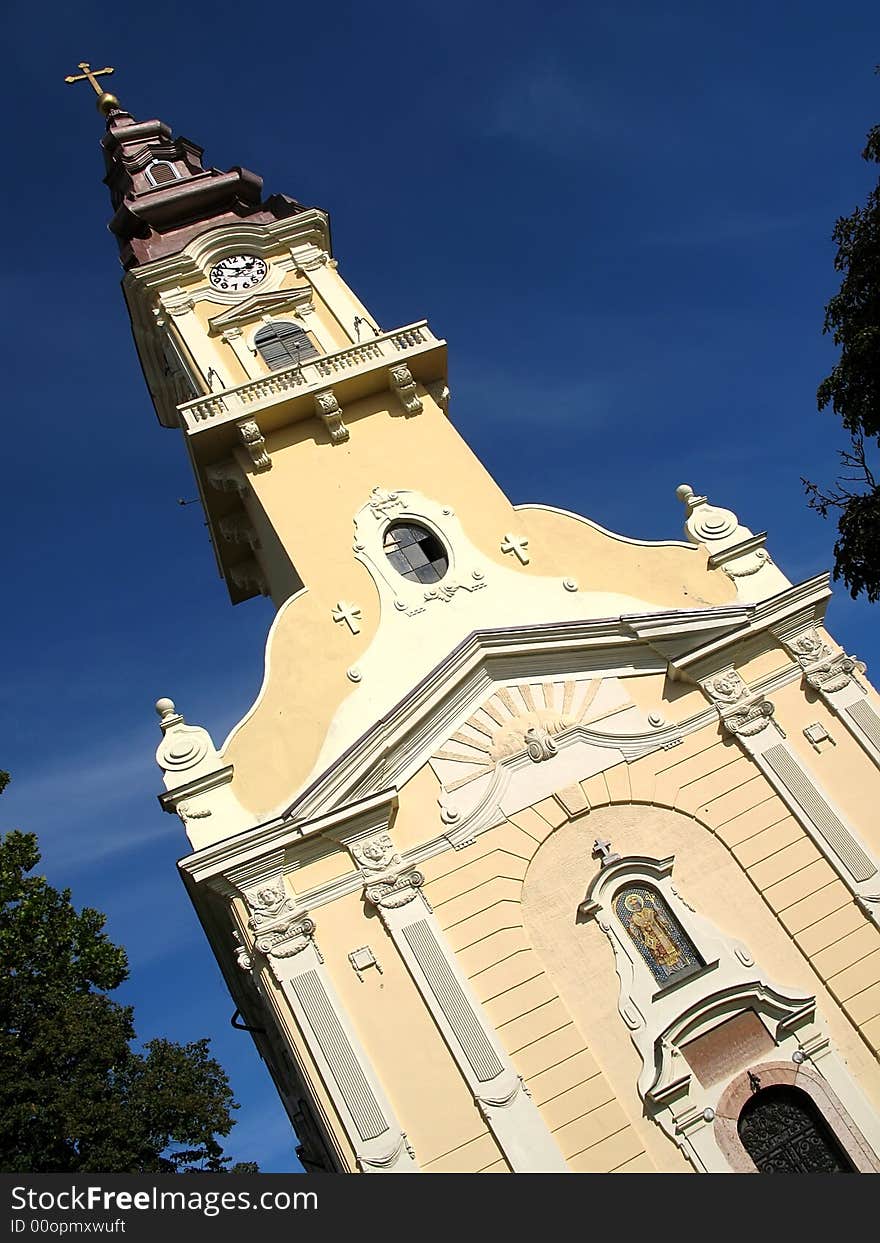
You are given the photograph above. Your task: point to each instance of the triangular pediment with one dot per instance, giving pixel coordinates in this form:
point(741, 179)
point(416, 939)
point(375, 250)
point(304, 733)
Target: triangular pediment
point(260, 304)
point(459, 715)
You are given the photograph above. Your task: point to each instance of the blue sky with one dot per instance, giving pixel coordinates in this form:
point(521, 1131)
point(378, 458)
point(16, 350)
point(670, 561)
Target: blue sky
point(618, 215)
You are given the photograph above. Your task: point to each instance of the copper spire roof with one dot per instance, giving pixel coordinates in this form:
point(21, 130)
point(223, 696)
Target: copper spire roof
point(162, 194)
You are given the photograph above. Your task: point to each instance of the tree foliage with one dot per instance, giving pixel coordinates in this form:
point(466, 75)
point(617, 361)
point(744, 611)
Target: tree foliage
point(853, 392)
point(74, 1095)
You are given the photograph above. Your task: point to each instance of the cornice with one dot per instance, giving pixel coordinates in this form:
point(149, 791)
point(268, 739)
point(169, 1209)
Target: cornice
point(400, 740)
point(670, 637)
point(376, 812)
point(482, 658)
point(808, 599)
point(190, 263)
point(260, 304)
point(366, 814)
point(201, 785)
point(753, 543)
point(498, 655)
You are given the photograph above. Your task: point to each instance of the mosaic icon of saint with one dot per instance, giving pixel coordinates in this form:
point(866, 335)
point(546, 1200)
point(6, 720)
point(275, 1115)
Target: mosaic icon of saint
point(649, 927)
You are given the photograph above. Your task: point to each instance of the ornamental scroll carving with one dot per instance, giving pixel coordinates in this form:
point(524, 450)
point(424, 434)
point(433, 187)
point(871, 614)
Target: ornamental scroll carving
point(280, 929)
point(183, 746)
point(225, 476)
point(403, 385)
point(743, 712)
point(376, 854)
point(255, 443)
point(824, 670)
point(397, 891)
point(238, 529)
point(539, 745)
point(439, 390)
point(382, 503)
point(329, 411)
point(242, 956)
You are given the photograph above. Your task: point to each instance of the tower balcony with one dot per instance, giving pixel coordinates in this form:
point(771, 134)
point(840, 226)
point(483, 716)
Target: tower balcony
point(245, 415)
point(288, 395)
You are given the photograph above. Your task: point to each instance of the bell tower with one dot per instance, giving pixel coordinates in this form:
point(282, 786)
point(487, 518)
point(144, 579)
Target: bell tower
point(434, 860)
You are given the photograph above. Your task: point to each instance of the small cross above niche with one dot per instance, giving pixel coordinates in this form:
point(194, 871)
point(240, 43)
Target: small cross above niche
point(602, 851)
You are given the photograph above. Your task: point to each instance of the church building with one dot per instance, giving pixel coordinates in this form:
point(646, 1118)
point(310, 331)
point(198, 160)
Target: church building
point(541, 848)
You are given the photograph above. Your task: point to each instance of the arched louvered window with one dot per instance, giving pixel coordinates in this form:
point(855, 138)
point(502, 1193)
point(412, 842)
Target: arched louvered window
point(283, 344)
point(161, 171)
point(783, 1131)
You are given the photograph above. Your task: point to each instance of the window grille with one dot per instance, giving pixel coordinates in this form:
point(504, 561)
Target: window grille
point(783, 1131)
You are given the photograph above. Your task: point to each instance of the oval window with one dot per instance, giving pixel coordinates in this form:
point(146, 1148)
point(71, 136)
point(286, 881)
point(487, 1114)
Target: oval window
point(415, 552)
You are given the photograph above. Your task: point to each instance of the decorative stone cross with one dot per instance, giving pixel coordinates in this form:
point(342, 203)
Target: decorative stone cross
point(602, 850)
point(516, 544)
point(349, 613)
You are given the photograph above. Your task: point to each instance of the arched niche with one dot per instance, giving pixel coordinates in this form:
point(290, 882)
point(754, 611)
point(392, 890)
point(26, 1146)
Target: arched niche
point(831, 1141)
point(577, 956)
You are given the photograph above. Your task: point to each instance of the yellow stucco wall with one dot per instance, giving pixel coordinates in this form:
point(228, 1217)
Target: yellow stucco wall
point(506, 907)
point(309, 498)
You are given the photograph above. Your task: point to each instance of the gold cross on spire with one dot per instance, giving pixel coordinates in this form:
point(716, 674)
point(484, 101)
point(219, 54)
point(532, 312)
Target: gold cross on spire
point(106, 101)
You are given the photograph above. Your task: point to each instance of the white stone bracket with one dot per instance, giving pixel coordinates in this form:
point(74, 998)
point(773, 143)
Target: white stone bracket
point(403, 386)
point(255, 443)
point(329, 411)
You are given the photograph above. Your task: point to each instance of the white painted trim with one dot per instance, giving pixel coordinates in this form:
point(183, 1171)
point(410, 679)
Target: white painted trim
point(661, 1021)
point(284, 830)
point(595, 526)
point(748, 717)
point(500, 1094)
point(364, 1109)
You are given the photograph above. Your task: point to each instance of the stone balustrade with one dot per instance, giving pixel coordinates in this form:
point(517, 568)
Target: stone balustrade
point(302, 378)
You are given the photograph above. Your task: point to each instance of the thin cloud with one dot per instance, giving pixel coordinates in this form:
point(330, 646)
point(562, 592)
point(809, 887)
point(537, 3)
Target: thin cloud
point(86, 811)
point(551, 109)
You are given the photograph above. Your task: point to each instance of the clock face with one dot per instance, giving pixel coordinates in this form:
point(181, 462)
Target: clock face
point(238, 272)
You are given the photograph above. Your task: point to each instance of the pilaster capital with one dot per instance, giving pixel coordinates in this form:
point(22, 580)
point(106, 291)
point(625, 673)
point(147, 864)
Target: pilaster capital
point(178, 302)
point(394, 892)
point(825, 671)
point(280, 928)
point(743, 713)
point(308, 258)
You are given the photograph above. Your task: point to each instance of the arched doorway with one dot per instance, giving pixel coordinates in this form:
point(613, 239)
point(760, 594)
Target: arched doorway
point(783, 1131)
